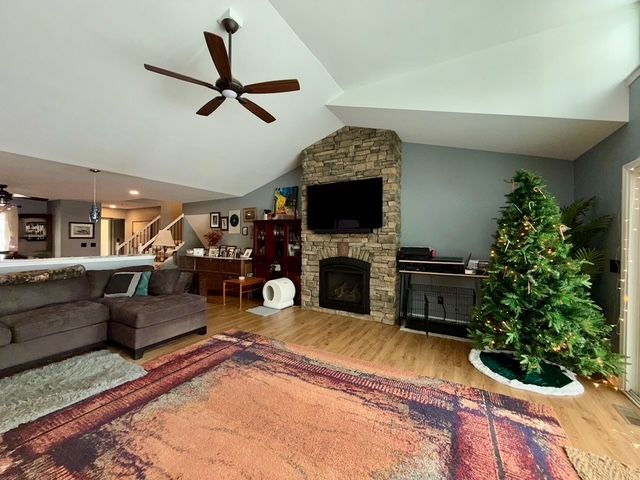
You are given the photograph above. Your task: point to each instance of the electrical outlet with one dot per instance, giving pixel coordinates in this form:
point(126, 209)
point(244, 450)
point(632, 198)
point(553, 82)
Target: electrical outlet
point(614, 266)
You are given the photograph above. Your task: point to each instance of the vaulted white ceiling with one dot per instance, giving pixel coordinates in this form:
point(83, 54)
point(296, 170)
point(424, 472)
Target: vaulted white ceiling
point(538, 77)
point(533, 77)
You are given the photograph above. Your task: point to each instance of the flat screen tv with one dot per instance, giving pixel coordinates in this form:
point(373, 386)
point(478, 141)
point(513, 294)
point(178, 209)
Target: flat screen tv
point(345, 207)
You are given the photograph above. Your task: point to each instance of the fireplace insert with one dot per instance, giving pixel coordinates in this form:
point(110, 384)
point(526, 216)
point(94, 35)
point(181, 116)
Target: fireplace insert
point(344, 284)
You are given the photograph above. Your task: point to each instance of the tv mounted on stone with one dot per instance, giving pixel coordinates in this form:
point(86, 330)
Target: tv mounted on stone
point(345, 207)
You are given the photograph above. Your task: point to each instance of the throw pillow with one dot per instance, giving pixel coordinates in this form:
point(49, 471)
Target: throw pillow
point(143, 286)
point(163, 282)
point(183, 285)
point(122, 284)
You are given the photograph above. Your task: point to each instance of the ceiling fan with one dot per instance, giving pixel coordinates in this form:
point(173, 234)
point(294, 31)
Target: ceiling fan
point(228, 86)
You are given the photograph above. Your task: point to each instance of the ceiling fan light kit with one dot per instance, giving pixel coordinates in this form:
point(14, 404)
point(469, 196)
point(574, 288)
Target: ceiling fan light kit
point(226, 85)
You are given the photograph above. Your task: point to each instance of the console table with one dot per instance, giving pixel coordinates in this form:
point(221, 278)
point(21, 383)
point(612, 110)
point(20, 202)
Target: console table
point(213, 271)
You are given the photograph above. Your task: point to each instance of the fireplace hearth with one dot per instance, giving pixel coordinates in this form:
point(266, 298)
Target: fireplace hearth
point(344, 284)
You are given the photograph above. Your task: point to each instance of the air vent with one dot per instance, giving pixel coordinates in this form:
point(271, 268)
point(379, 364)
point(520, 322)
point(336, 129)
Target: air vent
point(631, 415)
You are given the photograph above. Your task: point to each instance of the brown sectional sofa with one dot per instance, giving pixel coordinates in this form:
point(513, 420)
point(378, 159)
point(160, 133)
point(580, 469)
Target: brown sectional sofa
point(43, 320)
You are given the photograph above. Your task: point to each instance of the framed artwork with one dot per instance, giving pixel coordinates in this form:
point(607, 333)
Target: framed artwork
point(245, 231)
point(231, 251)
point(249, 214)
point(198, 252)
point(224, 223)
point(214, 219)
point(223, 250)
point(81, 230)
point(246, 253)
point(214, 252)
point(234, 221)
point(285, 202)
point(35, 230)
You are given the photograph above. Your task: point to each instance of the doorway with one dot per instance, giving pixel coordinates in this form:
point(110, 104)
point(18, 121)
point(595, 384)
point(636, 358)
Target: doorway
point(630, 280)
point(111, 233)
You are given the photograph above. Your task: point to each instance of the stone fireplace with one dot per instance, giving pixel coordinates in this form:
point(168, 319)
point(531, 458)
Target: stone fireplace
point(353, 153)
point(344, 284)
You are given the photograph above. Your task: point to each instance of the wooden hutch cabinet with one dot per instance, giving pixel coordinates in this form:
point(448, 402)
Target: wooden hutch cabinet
point(277, 250)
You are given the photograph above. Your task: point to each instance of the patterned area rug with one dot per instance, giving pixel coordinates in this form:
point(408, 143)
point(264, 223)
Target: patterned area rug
point(243, 406)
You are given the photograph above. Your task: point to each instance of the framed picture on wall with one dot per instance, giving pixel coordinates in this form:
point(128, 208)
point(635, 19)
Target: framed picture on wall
point(234, 221)
point(224, 223)
point(35, 230)
point(285, 202)
point(249, 214)
point(215, 219)
point(245, 231)
point(81, 230)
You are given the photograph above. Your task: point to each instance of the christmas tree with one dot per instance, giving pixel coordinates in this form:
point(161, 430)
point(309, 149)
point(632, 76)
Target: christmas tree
point(536, 301)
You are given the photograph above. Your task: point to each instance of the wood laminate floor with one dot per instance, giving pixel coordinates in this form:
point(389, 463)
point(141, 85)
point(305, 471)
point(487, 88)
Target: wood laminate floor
point(591, 421)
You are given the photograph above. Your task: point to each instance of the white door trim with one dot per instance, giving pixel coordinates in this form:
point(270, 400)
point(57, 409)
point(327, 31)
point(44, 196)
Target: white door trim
point(630, 279)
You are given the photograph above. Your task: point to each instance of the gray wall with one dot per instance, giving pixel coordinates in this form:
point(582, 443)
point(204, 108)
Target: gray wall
point(599, 172)
point(65, 211)
point(262, 198)
point(451, 196)
point(27, 205)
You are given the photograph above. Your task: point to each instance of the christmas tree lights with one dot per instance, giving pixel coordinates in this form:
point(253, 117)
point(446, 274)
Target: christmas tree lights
point(536, 301)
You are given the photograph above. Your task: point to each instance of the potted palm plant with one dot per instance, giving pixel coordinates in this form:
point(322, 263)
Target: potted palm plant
point(584, 232)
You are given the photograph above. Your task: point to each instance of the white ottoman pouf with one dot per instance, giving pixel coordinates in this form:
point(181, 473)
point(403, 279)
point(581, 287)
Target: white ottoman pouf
point(278, 293)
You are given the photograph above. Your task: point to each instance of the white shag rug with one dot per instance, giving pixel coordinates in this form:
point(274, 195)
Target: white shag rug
point(571, 389)
point(29, 395)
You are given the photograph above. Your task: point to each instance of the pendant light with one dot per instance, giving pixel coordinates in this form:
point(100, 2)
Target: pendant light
point(94, 213)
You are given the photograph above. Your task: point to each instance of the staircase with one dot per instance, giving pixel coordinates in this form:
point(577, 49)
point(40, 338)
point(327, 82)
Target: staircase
point(142, 242)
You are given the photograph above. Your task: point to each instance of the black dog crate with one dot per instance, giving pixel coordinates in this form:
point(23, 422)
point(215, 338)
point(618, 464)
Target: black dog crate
point(440, 309)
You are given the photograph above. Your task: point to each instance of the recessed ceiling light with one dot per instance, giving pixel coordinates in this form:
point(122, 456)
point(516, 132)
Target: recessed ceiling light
point(134, 192)
point(112, 206)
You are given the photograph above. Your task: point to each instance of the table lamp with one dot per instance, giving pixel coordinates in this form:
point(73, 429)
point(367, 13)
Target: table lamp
point(164, 239)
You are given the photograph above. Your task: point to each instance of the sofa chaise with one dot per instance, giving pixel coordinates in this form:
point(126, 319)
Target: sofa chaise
point(50, 314)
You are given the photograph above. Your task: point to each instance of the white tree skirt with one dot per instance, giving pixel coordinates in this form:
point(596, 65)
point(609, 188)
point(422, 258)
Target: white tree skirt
point(569, 390)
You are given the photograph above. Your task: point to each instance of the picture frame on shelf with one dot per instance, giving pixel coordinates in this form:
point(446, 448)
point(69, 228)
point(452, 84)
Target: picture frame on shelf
point(231, 251)
point(249, 214)
point(224, 224)
point(246, 253)
point(223, 250)
point(198, 252)
point(285, 202)
point(81, 230)
point(214, 219)
point(245, 231)
point(214, 251)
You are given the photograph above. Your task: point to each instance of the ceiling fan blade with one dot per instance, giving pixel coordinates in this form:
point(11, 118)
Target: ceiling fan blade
point(275, 86)
point(257, 110)
point(209, 107)
point(218, 52)
point(179, 76)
